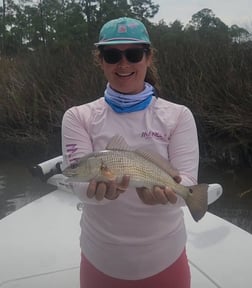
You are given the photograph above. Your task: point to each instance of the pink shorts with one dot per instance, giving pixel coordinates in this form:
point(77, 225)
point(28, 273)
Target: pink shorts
point(175, 276)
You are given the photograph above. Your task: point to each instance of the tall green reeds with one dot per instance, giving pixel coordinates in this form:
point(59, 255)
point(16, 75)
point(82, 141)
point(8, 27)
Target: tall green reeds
point(36, 89)
point(213, 78)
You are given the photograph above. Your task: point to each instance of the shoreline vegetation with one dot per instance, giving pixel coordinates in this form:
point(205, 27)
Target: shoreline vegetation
point(48, 68)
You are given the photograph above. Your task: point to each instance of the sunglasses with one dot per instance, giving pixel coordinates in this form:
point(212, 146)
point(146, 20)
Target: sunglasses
point(133, 55)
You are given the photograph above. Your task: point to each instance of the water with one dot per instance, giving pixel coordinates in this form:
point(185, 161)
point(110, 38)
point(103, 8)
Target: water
point(18, 187)
point(235, 205)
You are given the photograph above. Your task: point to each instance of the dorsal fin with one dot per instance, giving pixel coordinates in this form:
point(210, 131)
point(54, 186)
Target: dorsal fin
point(160, 161)
point(117, 142)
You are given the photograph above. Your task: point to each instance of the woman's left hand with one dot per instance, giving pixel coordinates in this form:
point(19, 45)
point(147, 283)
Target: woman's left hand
point(158, 195)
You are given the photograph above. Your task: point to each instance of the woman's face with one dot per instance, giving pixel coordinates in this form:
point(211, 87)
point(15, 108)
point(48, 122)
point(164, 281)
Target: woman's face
point(124, 76)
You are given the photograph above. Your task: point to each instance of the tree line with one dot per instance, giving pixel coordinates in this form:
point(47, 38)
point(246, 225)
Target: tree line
point(46, 66)
point(28, 26)
point(48, 23)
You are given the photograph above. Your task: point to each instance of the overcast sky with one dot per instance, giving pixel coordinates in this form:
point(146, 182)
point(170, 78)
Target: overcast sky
point(229, 11)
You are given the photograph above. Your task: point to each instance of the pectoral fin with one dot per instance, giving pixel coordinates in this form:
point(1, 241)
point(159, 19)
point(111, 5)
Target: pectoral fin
point(107, 173)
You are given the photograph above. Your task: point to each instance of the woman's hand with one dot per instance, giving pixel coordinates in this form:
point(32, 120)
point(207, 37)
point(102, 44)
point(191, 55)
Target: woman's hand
point(110, 190)
point(158, 195)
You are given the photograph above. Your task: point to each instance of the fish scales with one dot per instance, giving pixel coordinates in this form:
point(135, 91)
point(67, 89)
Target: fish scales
point(139, 169)
point(145, 170)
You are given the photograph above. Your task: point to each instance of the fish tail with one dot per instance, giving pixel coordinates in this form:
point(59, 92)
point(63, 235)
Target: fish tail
point(197, 201)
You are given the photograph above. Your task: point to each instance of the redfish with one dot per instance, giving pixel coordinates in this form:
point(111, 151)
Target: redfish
point(144, 168)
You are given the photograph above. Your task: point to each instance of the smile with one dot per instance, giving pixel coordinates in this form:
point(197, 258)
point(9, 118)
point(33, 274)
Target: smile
point(124, 74)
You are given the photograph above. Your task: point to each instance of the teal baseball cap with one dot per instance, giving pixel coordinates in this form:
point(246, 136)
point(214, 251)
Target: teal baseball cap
point(123, 30)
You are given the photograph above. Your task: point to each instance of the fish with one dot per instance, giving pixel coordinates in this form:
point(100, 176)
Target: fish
point(145, 168)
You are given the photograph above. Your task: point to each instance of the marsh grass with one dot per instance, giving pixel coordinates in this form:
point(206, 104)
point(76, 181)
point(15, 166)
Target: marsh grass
point(36, 90)
point(214, 80)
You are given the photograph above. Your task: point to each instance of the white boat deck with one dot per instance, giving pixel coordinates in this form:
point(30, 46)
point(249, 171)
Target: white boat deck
point(39, 247)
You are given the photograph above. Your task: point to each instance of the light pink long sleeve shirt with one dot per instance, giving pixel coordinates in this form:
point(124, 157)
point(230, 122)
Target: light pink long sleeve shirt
point(125, 238)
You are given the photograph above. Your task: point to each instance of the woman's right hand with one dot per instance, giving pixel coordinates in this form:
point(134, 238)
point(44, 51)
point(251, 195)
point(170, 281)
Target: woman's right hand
point(109, 190)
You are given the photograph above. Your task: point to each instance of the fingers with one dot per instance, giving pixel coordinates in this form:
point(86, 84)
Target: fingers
point(124, 183)
point(97, 190)
point(157, 196)
point(146, 196)
point(110, 190)
point(170, 195)
point(91, 189)
point(160, 195)
point(114, 189)
point(100, 191)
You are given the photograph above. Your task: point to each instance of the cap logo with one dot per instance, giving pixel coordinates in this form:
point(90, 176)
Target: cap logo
point(122, 28)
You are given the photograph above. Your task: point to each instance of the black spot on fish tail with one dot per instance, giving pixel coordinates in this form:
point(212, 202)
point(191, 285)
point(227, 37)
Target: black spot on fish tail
point(197, 201)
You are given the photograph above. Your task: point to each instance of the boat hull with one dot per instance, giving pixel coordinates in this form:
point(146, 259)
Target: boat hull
point(39, 247)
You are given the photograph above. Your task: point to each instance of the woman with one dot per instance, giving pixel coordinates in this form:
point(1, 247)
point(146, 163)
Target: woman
point(131, 238)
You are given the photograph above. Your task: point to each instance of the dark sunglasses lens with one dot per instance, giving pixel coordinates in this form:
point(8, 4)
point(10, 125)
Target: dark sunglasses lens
point(134, 55)
point(112, 56)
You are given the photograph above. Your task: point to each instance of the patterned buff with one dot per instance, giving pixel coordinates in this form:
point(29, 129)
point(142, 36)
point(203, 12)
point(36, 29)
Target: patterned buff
point(123, 103)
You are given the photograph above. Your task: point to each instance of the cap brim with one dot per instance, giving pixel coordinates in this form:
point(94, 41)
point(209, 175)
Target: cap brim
point(103, 43)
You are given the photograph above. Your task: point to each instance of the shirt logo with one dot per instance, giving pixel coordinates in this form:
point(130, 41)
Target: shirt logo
point(71, 149)
point(153, 134)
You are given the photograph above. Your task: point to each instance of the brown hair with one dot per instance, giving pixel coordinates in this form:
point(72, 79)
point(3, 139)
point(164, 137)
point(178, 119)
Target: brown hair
point(151, 76)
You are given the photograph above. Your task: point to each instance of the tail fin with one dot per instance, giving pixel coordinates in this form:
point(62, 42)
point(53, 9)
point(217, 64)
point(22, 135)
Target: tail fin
point(197, 201)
